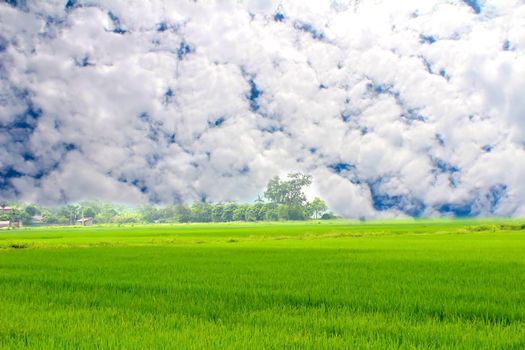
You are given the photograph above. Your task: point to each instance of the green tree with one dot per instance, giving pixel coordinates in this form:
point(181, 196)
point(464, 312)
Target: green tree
point(250, 213)
point(127, 217)
point(229, 209)
point(183, 213)
point(71, 213)
point(296, 212)
point(282, 211)
point(259, 210)
point(201, 212)
point(90, 208)
point(149, 213)
point(17, 214)
point(25, 217)
point(217, 212)
point(32, 210)
point(271, 212)
point(89, 212)
point(328, 216)
point(239, 214)
point(317, 207)
point(290, 191)
point(168, 214)
point(275, 190)
point(106, 212)
point(49, 217)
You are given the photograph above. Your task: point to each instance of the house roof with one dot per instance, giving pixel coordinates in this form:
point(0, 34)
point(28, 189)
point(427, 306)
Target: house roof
point(84, 219)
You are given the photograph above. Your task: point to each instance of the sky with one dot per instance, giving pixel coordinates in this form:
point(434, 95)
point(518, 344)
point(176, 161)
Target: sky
point(396, 108)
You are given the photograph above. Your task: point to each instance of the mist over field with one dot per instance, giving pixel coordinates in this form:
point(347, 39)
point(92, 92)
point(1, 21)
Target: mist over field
point(394, 107)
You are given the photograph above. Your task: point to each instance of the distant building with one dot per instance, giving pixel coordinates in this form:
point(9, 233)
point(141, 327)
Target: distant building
point(5, 209)
point(85, 221)
point(37, 219)
point(7, 224)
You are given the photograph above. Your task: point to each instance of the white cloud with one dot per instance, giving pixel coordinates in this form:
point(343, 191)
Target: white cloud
point(395, 108)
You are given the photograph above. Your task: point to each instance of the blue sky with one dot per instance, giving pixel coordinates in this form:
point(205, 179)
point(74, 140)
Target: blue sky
point(395, 108)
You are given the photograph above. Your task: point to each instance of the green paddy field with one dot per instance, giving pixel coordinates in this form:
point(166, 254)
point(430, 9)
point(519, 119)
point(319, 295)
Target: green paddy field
point(426, 284)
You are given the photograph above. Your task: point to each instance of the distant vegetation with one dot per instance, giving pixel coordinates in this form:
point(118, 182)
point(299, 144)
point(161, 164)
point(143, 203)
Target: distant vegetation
point(283, 199)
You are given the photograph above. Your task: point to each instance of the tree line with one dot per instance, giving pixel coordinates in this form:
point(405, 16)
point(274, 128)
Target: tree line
point(283, 199)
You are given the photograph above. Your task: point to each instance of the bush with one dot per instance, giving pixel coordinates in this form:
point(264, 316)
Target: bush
point(328, 216)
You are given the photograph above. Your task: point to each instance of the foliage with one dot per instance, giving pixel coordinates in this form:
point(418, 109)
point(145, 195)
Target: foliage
point(288, 192)
point(128, 217)
point(32, 210)
point(328, 216)
point(317, 207)
point(286, 201)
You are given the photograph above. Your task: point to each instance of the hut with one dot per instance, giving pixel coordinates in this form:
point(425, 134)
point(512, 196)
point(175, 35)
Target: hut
point(37, 219)
point(85, 221)
point(4, 209)
point(9, 223)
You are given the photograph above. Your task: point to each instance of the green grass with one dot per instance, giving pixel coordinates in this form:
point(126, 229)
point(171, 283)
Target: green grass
point(403, 284)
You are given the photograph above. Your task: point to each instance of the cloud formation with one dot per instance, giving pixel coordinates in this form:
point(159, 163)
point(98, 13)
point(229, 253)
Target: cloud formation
point(395, 108)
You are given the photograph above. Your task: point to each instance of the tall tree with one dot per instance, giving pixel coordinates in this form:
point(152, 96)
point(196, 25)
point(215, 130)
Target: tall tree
point(290, 191)
point(317, 207)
